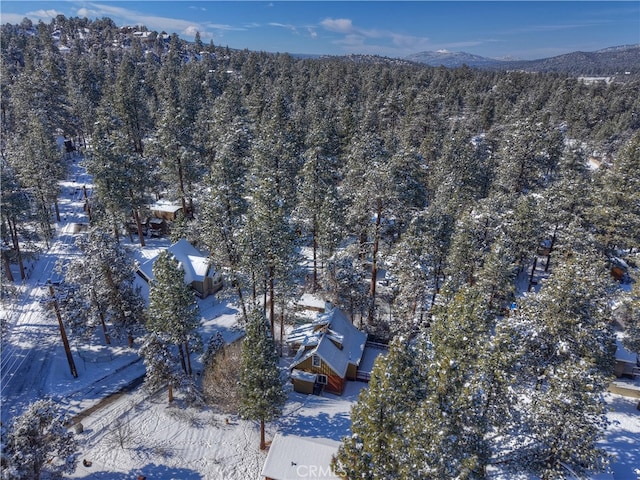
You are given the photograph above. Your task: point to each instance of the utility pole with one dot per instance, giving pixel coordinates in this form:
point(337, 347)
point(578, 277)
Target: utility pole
point(63, 334)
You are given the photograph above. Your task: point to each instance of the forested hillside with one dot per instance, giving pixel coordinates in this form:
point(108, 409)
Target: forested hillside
point(454, 182)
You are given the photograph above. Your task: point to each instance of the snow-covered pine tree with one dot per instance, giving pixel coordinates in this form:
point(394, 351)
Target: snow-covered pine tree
point(563, 365)
point(319, 176)
point(371, 199)
point(269, 243)
point(216, 343)
point(346, 284)
point(631, 320)
point(37, 163)
point(261, 384)
point(379, 444)
point(448, 431)
point(173, 310)
point(121, 174)
point(616, 210)
point(37, 442)
point(161, 362)
point(14, 204)
point(225, 136)
point(103, 276)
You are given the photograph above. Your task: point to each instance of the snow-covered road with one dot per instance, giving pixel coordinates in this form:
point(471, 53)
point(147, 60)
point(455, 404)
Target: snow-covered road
point(32, 337)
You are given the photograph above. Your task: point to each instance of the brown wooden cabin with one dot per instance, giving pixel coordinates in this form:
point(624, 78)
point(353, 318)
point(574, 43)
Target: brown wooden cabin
point(330, 348)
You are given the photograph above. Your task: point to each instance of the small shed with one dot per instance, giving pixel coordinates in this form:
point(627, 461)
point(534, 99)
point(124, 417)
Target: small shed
point(312, 303)
point(304, 382)
point(294, 457)
point(165, 210)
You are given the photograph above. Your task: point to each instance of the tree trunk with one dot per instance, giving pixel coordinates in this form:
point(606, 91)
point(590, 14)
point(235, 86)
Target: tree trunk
point(7, 266)
point(315, 256)
point(281, 327)
point(170, 393)
point(551, 245)
point(136, 216)
point(374, 263)
point(272, 313)
point(16, 246)
point(87, 205)
point(183, 200)
point(57, 208)
point(241, 300)
point(533, 271)
point(182, 362)
point(263, 443)
point(188, 355)
point(116, 233)
point(107, 339)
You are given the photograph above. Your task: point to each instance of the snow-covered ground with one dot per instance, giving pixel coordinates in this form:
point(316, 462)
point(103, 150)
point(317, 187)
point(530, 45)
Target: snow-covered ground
point(128, 432)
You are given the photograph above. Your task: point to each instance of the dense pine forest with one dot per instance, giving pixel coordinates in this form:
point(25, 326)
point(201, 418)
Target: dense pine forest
point(480, 222)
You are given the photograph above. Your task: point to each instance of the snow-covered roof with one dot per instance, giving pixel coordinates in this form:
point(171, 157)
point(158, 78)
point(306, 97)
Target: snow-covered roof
point(311, 301)
point(191, 260)
point(334, 338)
point(293, 457)
point(164, 206)
point(304, 376)
point(624, 355)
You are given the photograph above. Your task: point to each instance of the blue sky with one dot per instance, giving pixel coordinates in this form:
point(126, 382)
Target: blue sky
point(520, 29)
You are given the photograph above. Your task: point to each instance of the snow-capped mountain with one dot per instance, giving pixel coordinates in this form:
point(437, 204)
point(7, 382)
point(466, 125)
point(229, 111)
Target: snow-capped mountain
point(612, 60)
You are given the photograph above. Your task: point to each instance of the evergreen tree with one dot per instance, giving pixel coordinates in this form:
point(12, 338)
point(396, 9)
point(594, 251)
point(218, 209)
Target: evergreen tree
point(224, 206)
point(121, 175)
point(631, 319)
point(261, 384)
point(161, 362)
point(616, 213)
point(269, 242)
point(37, 163)
point(14, 205)
point(103, 280)
point(371, 199)
point(346, 282)
point(173, 312)
point(379, 444)
point(564, 364)
point(37, 443)
point(318, 178)
point(449, 434)
point(565, 206)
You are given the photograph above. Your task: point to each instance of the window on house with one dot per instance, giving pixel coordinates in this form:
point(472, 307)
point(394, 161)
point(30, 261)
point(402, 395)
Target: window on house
point(315, 361)
point(322, 379)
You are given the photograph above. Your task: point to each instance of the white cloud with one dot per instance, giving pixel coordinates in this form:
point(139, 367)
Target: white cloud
point(384, 42)
point(312, 32)
point(35, 16)
point(339, 25)
point(42, 14)
point(284, 25)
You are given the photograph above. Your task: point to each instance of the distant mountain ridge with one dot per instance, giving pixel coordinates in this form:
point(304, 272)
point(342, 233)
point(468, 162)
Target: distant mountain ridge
point(446, 58)
point(608, 61)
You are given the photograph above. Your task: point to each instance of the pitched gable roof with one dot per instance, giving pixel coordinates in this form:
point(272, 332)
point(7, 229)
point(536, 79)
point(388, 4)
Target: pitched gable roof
point(191, 260)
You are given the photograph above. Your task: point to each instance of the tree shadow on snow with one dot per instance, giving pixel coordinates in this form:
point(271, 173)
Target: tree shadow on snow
point(151, 472)
point(320, 424)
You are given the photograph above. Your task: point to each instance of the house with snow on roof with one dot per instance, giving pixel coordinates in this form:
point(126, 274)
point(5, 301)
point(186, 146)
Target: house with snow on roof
point(198, 271)
point(329, 351)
